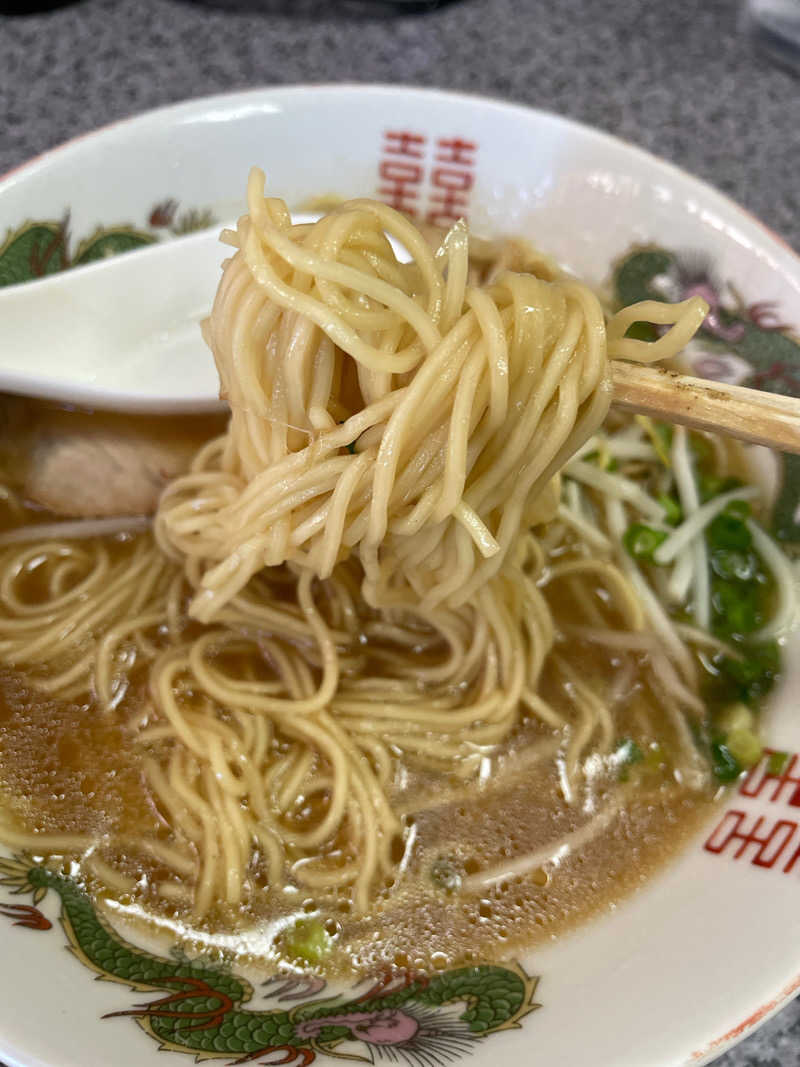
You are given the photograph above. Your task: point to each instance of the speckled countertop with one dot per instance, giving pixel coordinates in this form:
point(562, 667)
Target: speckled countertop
point(681, 79)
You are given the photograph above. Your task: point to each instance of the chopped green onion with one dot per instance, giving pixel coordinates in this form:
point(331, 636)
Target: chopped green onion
point(308, 940)
point(737, 607)
point(735, 717)
point(724, 764)
point(735, 563)
point(738, 509)
point(641, 541)
point(749, 678)
point(776, 764)
point(728, 531)
point(673, 512)
point(745, 747)
point(735, 732)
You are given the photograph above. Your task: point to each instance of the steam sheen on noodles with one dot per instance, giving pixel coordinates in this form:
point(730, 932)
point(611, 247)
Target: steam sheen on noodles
point(353, 578)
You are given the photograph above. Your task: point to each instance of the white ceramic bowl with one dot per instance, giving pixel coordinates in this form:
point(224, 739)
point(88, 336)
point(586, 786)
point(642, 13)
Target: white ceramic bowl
point(711, 946)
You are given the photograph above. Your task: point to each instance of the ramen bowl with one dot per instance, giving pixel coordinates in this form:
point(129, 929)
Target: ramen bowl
point(707, 947)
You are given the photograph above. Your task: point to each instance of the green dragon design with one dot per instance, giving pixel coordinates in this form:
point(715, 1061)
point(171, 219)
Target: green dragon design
point(202, 1009)
point(41, 247)
point(748, 339)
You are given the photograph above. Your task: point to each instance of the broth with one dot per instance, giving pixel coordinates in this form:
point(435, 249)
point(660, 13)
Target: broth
point(72, 768)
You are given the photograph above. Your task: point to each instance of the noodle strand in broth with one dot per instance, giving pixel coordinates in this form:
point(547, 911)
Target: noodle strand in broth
point(352, 578)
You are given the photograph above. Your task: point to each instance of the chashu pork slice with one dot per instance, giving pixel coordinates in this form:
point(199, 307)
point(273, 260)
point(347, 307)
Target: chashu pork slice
point(92, 464)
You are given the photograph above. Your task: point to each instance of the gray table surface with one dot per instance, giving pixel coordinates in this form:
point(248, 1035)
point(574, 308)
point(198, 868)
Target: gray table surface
point(681, 79)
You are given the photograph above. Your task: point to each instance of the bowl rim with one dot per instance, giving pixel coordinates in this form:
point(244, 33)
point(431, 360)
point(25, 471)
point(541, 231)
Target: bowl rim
point(154, 116)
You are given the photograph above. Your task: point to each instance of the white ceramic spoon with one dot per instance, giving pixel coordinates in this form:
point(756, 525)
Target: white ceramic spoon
point(122, 333)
